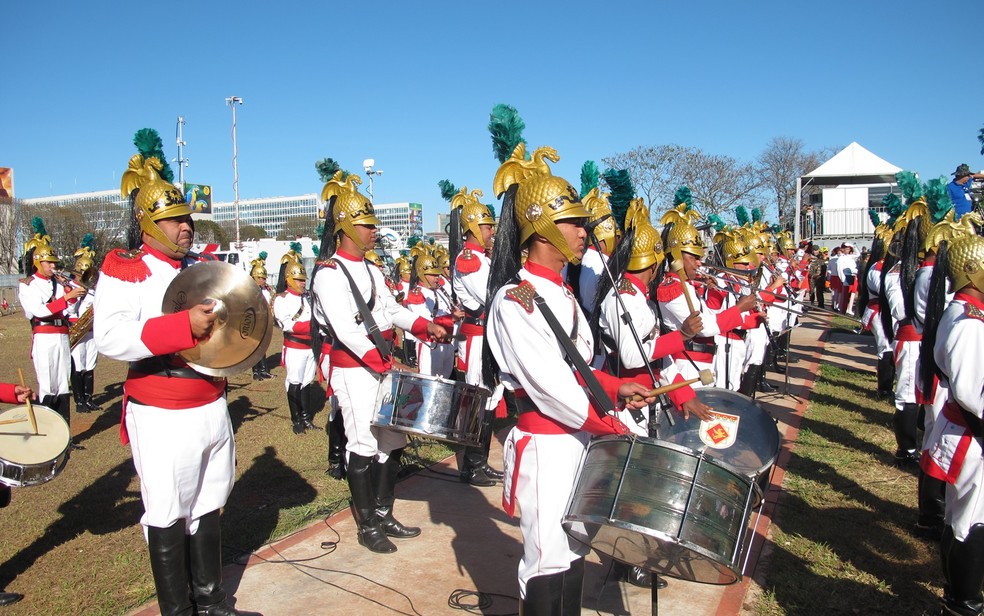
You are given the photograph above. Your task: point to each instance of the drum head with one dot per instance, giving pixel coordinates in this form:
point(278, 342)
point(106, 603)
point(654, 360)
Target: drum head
point(27, 458)
point(741, 434)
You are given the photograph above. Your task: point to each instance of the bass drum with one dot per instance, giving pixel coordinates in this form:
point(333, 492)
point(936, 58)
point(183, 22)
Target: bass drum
point(662, 507)
point(29, 459)
point(432, 407)
point(740, 433)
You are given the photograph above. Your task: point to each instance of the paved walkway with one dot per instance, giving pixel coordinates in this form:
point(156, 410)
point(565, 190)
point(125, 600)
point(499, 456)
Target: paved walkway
point(468, 544)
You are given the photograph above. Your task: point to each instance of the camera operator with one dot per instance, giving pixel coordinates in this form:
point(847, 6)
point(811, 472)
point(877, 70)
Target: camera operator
point(959, 189)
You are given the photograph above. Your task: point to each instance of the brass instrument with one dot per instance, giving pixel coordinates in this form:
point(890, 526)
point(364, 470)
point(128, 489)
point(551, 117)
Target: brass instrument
point(78, 330)
point(65, 279)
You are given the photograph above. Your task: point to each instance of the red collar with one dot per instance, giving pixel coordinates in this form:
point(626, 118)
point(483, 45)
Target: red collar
point(544, 272)
point(474, 247)
point(638, 283)
point(175, 263)
point(973, 301)
point(292, 291)
point(344, 255)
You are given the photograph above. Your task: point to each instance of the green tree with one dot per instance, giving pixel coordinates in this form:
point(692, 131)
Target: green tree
point(298, 226)
point(211, 232)
point(252, 232)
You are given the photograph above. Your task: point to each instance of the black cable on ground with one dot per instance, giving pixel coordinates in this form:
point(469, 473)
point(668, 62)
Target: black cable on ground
point(475, 602)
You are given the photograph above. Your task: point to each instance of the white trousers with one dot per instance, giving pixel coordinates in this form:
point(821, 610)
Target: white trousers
point(906, 354)
point(356, 390)
point(436, 361)
point(541, 469)
point(52, 363)
point(729, 361)
point(300, 365)
point(756, 343)
point(186, 460)
point(84, 354)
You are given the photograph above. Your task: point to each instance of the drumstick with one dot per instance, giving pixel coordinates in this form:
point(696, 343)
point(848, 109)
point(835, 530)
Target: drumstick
point(30, 407)
point(11, 421)
point(706, 378)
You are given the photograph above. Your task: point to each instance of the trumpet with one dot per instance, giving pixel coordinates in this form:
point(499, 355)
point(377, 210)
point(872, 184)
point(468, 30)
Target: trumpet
point(64, 278)
point(709, 268)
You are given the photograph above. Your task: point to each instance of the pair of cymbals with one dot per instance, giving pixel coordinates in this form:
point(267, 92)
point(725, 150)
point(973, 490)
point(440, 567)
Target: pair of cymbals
point(244, 327)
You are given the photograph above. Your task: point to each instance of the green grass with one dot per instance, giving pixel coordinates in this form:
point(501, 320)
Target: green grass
point(841, 542)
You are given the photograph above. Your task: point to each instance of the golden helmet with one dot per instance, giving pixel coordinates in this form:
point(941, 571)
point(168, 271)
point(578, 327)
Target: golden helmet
point(294, 273)
point(43, 252)
point(373, 257)
point(966, 264)
point(683, 236)
point(403, 266)
point(647, 248)
point(918, 209)
point(350, 207)
point(947, 230)
point(736, 250)
point(258, 270)
point(155, 198)
point(754, 241)
point(786, 242)
point(596, 203)
point(442, 257)
point(427, 265)
point(474, 214)
point(542, 199)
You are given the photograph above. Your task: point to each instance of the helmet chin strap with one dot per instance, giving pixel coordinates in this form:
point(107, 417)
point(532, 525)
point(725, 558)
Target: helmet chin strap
point(155, 232)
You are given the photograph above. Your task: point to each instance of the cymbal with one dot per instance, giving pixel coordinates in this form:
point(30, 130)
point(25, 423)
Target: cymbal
point(244, 327)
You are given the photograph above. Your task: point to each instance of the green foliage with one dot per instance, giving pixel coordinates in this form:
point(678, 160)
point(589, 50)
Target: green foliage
point(620, 186)
point(37, 223)
point(506, 128)
point(252, 232)
point(589, 176)
point(938, 198)
point(149, 144)
point(980, 138)
point(741, 213)
point(447, 190)
point(326, 168)
point(910, 186)
point(683, 195)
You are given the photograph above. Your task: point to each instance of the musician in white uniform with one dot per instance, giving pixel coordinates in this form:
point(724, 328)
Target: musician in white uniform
point(175, 419)
point(361, 354)
point(46, 303)
point(428, 299)
point(557, 417)
point(84, 353)
point(258, 272)
point(593, 264)
point(955, 454)
point(292, 313)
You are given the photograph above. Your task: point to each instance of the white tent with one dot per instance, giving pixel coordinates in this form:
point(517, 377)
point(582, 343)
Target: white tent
point(852, 165)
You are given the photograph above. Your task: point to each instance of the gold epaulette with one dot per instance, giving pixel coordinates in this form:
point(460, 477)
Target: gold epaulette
point(625, 286)
point(329, 263)
point(523, 295)
point(973, 312)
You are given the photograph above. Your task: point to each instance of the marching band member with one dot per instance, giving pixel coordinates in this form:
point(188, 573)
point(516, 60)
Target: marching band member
point(292, 313)
point(955, 455)
point(258, 273)
point(175, 419)
point(361, 312)
point(870, 290)
point(11, 394)
point(542, 214)
point(427, 299)
point(470, 283)
point(84, 353)
point(594, 262)
point(46, 303)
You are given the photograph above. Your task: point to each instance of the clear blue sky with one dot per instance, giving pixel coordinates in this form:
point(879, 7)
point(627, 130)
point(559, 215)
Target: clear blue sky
point(411, 84)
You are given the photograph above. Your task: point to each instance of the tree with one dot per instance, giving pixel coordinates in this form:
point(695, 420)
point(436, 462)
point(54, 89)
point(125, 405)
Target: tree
point(298, 226)
point(252, 232)
point(653, 170)
point(782, 161)
point(68, 225)
point(211, 232)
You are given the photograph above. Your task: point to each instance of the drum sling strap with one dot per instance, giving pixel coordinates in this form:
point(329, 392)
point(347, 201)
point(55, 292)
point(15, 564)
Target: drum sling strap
point(574, 358)
point(366, 312)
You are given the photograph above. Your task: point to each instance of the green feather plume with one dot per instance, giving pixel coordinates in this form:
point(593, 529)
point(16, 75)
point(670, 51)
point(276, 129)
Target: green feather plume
point(756, 214)
point(491, 209)
point(741, 213)
point(263, 255)
point(447, 190)
point(717, 222)
point(507, 131)
point(776, 228)
point(875, 216)
point(37, 223)
point(589, 176)
point(938, 198)
point(316, 248)
point(683, 195)
point(88, 241)
point(149, 144)
point(296, 247)
point(910, 186)
point(620, 185)
point(894, 207)
point(412, 241)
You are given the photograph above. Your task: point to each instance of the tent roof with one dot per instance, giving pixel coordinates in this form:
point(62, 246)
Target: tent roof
point(853, 165)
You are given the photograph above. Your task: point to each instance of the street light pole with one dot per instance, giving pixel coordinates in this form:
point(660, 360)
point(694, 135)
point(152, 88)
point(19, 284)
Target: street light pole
point(368, 165)
point(232, 101)
point(181, 160)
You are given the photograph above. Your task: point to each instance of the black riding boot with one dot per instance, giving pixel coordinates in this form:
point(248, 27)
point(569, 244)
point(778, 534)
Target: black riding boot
point(264, 370)
point(371, 534)
point(89, 385)
point(294, 404)
point(336, 446)
point(932, 503)
point(763, 384)
point(169, 564)
point(309, 395)
point(905, 422)
point(78, 389)
point(384, 484)
point(886, 375)
point(573, 585)
point(544, 596)
point(475, 467)
point(750, 380)
point(963, 566)
point(205, 556)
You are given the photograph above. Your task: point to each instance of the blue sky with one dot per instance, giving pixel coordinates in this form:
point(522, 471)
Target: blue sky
point(411, 84)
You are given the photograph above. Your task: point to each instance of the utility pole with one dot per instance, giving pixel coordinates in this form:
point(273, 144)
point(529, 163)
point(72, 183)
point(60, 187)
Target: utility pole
point(232, 101)
point(181, 160)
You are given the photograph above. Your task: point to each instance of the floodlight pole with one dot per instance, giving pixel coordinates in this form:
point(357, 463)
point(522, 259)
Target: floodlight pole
point(232, 101)
point(181, 160)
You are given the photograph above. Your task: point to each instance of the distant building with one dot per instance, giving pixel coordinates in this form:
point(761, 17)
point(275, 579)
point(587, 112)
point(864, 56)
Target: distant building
point(106, 207)
point(268, 213)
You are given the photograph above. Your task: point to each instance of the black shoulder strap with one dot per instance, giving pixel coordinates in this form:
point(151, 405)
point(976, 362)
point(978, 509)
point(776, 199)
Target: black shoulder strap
point(594, 387)
point(377, 338)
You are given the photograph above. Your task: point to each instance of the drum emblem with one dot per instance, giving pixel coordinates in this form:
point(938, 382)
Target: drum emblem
point(720, 431)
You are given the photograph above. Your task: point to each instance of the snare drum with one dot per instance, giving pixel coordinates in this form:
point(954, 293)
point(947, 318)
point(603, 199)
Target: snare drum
point(662, 507)
point(740, 434)
point(430, 406)
point(28, 459)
